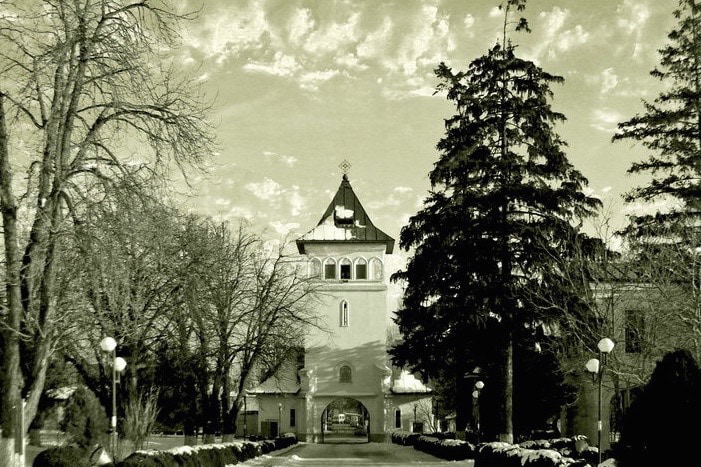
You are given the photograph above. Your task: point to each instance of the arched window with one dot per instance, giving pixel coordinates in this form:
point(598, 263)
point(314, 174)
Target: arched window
point(345, 269)
point(361, 269)
point(345, 375)
point(315, 268)
point(376, 268)
point(330, 269)
point(344, 314)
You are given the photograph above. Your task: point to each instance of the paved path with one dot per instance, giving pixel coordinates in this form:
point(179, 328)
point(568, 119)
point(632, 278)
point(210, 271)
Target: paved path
point(347, 455)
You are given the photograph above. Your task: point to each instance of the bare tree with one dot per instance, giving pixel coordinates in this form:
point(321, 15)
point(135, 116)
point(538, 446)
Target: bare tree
point(255, 319)
point(83, 84)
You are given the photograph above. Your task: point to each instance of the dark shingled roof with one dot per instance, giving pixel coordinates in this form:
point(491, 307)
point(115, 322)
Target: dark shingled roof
point(345, 220)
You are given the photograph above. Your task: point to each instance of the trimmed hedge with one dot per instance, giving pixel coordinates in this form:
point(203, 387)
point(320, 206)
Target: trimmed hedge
point(207, 455)
point(62, 456)
point(560, 452)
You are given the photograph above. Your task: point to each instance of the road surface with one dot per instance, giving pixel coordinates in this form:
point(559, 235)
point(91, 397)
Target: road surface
point(346, 455)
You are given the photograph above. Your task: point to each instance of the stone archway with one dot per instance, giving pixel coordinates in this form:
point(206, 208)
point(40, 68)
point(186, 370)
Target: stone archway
point(345, 420)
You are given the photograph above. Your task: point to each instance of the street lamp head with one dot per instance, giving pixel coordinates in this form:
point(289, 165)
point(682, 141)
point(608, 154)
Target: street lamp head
point(475, 393)
point(108, 344)
point(605, 345)
point(120, 364)
point(479, 384)
point(593, 365)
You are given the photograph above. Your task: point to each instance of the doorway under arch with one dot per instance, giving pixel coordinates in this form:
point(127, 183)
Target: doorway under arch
point(345, 420)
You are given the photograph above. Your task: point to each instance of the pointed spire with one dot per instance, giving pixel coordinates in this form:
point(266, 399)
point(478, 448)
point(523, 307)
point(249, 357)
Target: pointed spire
point(345, 220)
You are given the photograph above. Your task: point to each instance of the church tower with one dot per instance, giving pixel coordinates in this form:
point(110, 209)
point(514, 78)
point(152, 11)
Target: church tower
point(345, 366)
point(344, 386)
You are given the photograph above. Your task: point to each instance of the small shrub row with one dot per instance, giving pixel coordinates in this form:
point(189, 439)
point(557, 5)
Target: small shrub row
point(443, 446)
point(405, 438)
point(210, 455)
point(214, 455)
point(449, 449)
point(559, 452)
point(497, 454)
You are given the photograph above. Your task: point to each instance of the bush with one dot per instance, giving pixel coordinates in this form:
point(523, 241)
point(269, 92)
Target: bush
point(140, 418)
point(211, 455)
point(405, 438)
point(449, 449)
point(85, 420)
point(63, 456)
point(663, 418)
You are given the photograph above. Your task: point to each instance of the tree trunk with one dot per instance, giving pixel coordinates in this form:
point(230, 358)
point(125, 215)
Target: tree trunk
point(506, 430)
point(11, 376)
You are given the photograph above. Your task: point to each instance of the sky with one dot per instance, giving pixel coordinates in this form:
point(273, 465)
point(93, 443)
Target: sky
point(300, 86)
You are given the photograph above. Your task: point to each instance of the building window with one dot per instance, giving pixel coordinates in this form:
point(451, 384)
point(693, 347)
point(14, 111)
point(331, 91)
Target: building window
point(344, 314)
point(634, 328)
point(293, 417)
point(330, 269)
point(398, 418)
point(344, 374)
point(345, 269)
point(376, 268)
point(361, 269)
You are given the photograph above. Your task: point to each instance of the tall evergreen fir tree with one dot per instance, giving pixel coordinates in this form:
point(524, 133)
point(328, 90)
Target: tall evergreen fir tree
point(670, 129)
point(504, 202)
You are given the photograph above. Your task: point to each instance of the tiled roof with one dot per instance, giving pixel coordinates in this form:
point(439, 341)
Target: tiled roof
point(345, 220)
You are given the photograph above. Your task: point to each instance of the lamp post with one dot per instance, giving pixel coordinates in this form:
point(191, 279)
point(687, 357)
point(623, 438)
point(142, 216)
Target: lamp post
point(476, 395)
point(279, 419)
point(109, 345)
point(596, 368)
point(414, 426)
point(476, 376)
point(245, 419)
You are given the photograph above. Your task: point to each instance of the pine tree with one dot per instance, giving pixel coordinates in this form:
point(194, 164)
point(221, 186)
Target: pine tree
point(666, 244)
point(670, 129)
point(505, 201)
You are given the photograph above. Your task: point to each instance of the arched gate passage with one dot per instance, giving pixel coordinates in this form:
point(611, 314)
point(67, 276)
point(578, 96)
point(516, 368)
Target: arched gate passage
point(345, 420)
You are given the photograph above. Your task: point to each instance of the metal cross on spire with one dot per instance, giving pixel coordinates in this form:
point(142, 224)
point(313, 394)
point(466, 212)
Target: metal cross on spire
point(345, 167)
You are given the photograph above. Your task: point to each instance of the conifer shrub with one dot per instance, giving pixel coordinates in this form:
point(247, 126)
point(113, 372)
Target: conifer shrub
point(62, 456)
point(664, 417)
point(85, 421)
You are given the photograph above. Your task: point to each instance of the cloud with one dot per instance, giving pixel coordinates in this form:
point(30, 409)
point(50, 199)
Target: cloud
point(609, 80)
point(222, 202)
point(605, 119)
point(632, 17)
point(312, 46)
point(403, 189)
point(641, 208)
point(297, 202)
point(288, 160)
point(240, 211)
point(429, 41)
point(469, 21)
point(374, 44)
point(301, 23)
point(556, 39)
point(283, 228)
point(334, 36)
point(282, 65)
point(228, 31)
point(311, 80)
point(266, 190)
